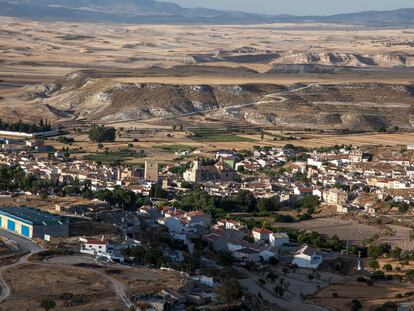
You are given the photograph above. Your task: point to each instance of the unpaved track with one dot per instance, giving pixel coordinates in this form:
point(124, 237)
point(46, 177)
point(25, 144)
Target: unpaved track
point(269, 98)
point(24, 245)
point(33, 248)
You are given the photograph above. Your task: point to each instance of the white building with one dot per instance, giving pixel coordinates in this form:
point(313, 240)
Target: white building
point(100, 249)
point(307, 257)
point(278, 239)
point(261, 234)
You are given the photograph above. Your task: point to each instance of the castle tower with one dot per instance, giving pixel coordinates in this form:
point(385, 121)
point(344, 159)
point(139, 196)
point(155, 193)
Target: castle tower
point(151, 171)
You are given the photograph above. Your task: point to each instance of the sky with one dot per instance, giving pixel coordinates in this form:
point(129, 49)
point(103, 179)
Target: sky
point(298, 7)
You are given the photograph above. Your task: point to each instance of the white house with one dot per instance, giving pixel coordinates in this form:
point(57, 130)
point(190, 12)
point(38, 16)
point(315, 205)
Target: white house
point(307, 257)
point(174, 224)
point(261, 234)
point(253, 255)
point(278, 239)
point(229, 224)
point(96, 246)
point(100, 248)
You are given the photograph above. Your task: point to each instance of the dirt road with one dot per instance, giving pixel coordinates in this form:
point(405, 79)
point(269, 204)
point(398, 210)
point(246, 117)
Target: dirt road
point(32, 248)
point(269, 98)
point(23, 245)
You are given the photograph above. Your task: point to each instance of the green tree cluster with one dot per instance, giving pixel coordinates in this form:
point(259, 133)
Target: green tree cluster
point(101, 134)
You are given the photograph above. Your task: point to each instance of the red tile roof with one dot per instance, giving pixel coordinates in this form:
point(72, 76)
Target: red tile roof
point(262, 231)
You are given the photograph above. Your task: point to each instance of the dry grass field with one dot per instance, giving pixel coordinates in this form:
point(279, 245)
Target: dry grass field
point(156, 142)
point(370, 296)
point(344, 229)
point(71, 288)
point(365, 139)
point(77, 285)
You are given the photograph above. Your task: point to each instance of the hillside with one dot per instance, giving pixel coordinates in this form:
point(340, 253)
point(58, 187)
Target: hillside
point(93, 97)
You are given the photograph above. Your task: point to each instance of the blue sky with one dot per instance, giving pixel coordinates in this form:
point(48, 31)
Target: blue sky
point(298, 7)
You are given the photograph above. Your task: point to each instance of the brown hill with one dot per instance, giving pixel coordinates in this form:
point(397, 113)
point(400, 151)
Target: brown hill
point(97, 97)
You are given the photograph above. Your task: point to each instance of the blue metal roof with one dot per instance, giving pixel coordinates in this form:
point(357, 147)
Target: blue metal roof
point(32, 216)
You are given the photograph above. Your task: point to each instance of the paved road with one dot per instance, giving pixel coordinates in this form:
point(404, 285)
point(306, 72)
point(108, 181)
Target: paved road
point(31, 247)
point(22, 244)
point(266, 99)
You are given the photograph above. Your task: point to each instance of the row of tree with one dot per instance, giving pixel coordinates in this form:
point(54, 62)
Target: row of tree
point(42, 126)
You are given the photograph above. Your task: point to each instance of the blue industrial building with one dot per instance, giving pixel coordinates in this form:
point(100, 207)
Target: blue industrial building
point(33, 223)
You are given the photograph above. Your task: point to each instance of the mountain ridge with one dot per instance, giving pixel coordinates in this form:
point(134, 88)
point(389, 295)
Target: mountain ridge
point(151, 11)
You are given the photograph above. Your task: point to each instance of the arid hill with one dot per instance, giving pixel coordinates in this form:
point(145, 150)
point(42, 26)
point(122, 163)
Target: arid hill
point(91, 96)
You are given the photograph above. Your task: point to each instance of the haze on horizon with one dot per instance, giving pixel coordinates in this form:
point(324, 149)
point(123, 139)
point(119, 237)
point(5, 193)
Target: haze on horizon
point(298, 7)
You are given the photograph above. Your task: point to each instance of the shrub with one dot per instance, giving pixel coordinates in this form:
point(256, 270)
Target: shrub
point(410, 275)
point(378, 275)
point(387, 267)
point(388, 306)
point(356, 305)
point(373, 264)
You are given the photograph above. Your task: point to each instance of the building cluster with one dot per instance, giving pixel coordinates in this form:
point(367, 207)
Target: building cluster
point(257, 246)
point(335, 177)
point(68, 171)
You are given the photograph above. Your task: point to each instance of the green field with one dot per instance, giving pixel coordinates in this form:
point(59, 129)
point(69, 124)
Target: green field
point(175, 148)
point(205, 137)
point(114, 156)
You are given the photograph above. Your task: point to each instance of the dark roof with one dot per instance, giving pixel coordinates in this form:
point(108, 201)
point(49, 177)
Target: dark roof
point(247, 251)
point(307, 250)
point(33, 216)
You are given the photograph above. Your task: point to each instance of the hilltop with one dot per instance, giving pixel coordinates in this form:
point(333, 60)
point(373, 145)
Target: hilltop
point(150, 11)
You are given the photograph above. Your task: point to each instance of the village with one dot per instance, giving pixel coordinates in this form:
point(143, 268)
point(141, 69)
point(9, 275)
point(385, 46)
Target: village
point(221, 209)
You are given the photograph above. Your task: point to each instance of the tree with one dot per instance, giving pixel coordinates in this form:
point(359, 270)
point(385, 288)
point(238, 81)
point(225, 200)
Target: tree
point(225, 258)
point(376, 251)
point(230, 291)
point(356, 305)
point(387, 267)
point(48, 304)
point(273, 261)
point(240, 169)
point(410, 275)
point(271, 276)
point(373, 264)
point(267, 204)
point(279, 290)
point(310, 202)
point(378, 275)
point(100, 134)
point(158, 192)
